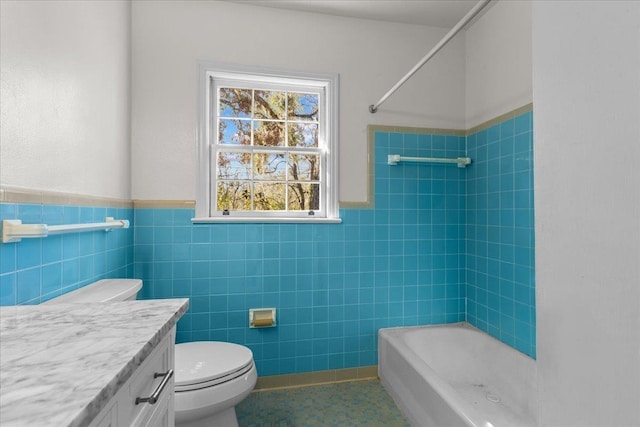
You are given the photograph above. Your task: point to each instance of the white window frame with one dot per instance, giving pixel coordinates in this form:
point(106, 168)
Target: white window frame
point(225, 75)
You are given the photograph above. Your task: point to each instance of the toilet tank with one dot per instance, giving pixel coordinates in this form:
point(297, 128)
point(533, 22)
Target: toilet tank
point(105, 290)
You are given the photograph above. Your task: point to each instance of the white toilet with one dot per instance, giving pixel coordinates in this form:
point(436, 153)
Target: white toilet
point(211, 377)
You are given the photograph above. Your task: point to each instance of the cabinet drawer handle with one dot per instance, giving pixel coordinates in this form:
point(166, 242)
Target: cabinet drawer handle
point(156, 393)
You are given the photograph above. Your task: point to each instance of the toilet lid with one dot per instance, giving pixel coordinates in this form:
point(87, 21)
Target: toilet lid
point(205, 361)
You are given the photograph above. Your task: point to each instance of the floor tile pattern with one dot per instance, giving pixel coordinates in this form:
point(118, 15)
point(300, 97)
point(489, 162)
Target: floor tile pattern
point(350, 404)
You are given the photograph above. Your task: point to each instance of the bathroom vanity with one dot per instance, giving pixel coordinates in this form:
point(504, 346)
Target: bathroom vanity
point(88, 364)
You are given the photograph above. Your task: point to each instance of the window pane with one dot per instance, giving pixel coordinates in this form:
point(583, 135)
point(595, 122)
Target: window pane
point(269, 197)
point(235, 102)
point(303, 135)
point(303, 106)
point(268, 154)
point(268, 134)
point(304, 167)
point(269, 105)
point(234, 165)
point(234, 196)
point(268, 166)
point(234, 132)
point(304, 197)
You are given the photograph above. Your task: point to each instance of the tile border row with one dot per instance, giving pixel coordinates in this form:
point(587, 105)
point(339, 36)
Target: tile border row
point(164, 204)
point(506, 116)
point(303, 379)
point(10, 194)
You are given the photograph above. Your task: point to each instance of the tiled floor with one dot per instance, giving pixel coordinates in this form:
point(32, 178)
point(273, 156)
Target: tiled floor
point(357, 403)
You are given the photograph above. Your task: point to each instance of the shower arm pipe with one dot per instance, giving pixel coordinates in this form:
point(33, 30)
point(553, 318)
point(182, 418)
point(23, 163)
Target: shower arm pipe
point(13, 230)
point(373, 108)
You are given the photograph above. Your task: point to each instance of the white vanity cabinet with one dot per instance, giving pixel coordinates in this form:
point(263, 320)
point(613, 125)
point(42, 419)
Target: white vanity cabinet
point(152, 386)
point(85, 364)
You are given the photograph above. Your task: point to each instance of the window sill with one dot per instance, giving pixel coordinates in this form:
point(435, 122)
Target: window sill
point(263, 220)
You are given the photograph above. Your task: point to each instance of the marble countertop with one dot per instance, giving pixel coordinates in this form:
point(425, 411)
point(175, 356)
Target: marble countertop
point(61, 363)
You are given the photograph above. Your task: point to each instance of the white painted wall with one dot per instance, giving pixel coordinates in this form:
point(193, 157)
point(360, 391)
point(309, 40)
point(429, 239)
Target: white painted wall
point(64, 96)
point(498, 61)
point(586, 81)
point(169, 38)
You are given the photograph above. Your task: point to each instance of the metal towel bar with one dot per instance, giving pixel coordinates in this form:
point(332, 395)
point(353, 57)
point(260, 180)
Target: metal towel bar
point(394, 159)
point(13, 230)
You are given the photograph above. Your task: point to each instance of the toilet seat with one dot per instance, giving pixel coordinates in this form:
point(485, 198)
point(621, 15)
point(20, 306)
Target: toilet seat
point(205, 364)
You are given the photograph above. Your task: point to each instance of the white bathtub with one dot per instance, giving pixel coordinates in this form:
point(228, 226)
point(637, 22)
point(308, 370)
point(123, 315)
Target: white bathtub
point(456, 375)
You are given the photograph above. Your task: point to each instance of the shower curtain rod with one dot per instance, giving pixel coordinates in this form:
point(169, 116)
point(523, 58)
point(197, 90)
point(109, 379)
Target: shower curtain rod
point(468, 17)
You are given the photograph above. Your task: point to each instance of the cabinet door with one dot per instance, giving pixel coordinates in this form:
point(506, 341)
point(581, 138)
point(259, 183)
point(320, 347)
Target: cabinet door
point(163, 415)
point(146, 380)
point(122, 411)
point(110, 419)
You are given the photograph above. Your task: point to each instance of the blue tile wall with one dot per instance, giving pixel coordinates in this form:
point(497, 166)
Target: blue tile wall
point(500, 233)
point(441, 244)
point(35, 270)
point(334, 285)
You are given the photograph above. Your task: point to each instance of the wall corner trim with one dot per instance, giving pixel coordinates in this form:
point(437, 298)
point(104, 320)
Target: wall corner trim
point(501, 118)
